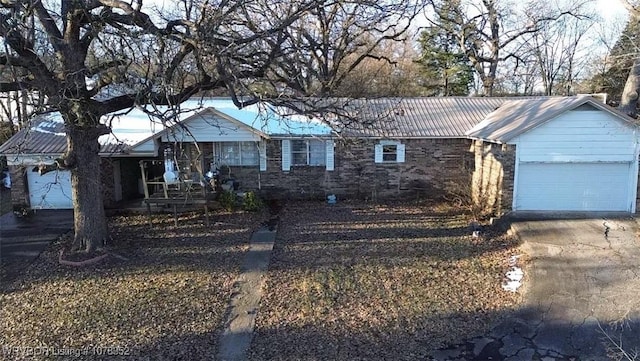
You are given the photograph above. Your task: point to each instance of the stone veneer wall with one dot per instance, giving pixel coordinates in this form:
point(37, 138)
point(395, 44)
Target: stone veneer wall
point(19, 191)
point(429, 165)
point(130, 176)
point(494, 176)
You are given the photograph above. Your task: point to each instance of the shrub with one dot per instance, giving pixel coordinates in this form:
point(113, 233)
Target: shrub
point(252, 202)
point(227, 200)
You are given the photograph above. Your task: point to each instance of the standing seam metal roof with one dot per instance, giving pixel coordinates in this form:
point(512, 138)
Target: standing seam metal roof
point(437, 117)
point(449, 117)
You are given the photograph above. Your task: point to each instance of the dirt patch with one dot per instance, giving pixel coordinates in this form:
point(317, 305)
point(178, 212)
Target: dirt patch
point(164, 299)
point(356, 281)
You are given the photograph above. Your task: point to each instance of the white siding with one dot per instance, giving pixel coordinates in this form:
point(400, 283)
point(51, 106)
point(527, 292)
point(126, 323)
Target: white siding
point(583, 160)
point(148, 146)
point(578, 136)
point(209, 128)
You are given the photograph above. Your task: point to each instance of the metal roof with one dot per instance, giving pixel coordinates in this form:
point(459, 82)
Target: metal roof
point(46, 135)
point(516, 117)
point(434, 117)
point(489, 118)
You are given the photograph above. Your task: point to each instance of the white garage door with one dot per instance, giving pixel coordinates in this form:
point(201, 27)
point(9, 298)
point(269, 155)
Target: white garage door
point(573, 187)
point(51, 190)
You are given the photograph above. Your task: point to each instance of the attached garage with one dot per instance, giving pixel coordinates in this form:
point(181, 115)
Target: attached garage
point(571, 154)
point(574, 186)
point(50, 191)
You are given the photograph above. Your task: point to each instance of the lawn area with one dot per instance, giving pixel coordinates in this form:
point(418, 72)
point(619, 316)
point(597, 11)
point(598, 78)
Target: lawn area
point(378, 282)
point(165, 301)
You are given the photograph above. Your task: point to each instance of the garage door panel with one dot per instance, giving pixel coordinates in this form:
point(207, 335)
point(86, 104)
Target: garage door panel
point(51, 190)
point(573, 186)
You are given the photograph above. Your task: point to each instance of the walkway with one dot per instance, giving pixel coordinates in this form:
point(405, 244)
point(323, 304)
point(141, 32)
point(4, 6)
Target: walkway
point(236, 338)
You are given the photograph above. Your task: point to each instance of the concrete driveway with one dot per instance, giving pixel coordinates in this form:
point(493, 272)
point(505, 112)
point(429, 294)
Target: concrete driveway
point(582, 288)
point(22, 239)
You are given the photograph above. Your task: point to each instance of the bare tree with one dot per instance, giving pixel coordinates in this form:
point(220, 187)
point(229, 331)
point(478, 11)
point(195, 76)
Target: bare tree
point(90, 58)
point(487, 31)
point(393, 73)
point(555, 47)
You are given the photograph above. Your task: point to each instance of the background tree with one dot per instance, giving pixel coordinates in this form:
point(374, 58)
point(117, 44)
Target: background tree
point(91, 58)
point(487, 31)
point(614, 68)
point(391, 71)
point(555, 48)
point(446, 70)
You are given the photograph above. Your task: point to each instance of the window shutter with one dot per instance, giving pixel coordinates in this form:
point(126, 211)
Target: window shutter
point(286, 155)
point(400, 150)
point(262, 150)
point(330, 154)
point(378, 156)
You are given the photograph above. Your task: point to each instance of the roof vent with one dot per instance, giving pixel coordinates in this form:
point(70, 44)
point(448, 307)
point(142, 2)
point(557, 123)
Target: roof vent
point(399, 111)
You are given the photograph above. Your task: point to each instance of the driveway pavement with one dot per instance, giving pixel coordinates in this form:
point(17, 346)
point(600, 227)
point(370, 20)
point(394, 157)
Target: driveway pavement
point(581, 292)
point(582, 289)
point(22, 239)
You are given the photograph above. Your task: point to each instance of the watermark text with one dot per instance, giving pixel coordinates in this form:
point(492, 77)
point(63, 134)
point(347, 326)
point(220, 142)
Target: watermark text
point(24, 351)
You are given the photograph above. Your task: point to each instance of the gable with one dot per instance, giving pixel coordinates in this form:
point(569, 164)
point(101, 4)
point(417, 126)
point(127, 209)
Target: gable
point(210, 126)
point(515, 118)
point(580, 135)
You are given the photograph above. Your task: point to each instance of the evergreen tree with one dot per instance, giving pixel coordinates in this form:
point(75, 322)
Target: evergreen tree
point(446, 69)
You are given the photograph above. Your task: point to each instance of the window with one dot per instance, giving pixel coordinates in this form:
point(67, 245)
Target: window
point(237, 153)
point(389, 152)
point(308, 152)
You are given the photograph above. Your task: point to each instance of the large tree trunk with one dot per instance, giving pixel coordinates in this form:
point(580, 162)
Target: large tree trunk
point(89, 216)
point(629, 100)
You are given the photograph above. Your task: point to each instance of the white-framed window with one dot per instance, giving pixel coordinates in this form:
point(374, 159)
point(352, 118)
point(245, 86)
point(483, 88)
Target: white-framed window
point(237, 153)
point(308, 152)
point(388, 151)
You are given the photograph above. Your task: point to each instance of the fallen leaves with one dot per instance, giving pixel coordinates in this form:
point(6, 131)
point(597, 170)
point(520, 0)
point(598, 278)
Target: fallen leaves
point(165, 299)
point(354, 281)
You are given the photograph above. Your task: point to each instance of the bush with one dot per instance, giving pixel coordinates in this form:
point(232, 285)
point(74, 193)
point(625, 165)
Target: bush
point(252, 202)
point(227, 200)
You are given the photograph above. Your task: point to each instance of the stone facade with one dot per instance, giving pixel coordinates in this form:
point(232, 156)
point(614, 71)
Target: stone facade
point(429, 165)
point(19, 191)
point(433, 168)
point(493, 177)
point(130, 177)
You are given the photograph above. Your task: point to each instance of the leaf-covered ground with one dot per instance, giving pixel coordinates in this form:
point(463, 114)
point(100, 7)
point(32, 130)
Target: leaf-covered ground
point(378, 282)
point(165, 301)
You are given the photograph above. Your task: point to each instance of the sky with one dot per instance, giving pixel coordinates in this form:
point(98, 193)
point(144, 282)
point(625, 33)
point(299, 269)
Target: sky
point(611, 9)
